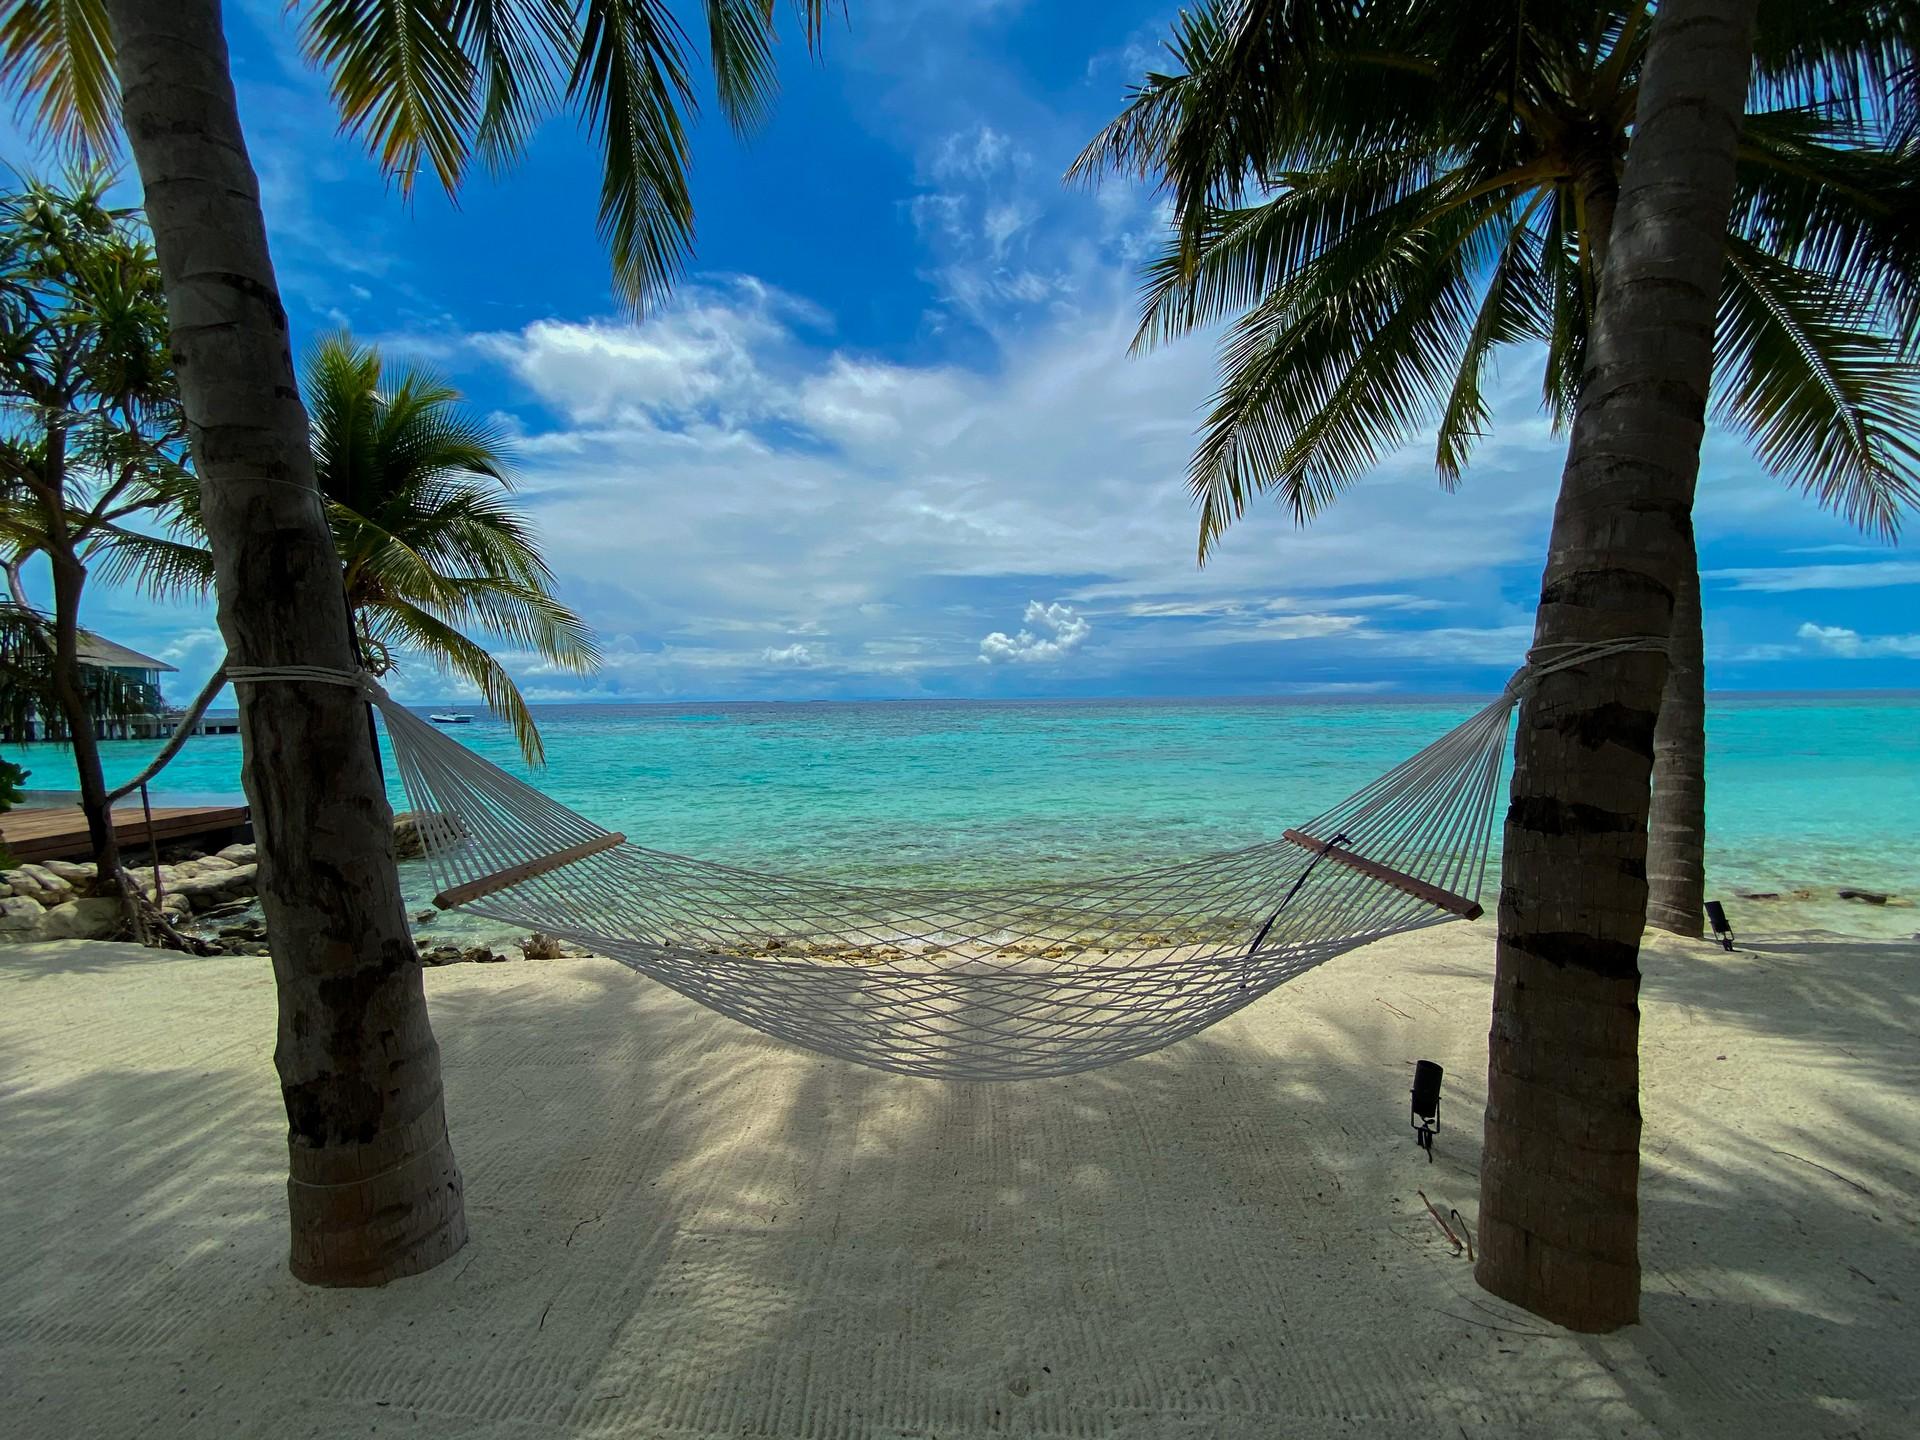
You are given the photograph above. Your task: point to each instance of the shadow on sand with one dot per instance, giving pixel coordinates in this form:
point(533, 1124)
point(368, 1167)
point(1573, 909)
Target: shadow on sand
point(683, 1229)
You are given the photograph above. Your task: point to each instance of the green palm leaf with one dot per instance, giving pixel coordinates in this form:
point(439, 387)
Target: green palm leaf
point(57, 56)
point(430, 547)
point(1826, 401)
point(1379, 197)
point(397, 625)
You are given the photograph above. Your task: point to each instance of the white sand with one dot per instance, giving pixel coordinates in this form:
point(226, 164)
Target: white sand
point(681, 1229)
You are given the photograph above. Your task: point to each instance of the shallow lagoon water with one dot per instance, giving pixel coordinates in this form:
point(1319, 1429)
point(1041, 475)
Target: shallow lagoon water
point(1805, 792)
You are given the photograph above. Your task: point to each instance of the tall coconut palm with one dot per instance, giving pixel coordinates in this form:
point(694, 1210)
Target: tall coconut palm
point(373, 1190)
point(1559, 1178)
point(430, 549)
point(1383, 196)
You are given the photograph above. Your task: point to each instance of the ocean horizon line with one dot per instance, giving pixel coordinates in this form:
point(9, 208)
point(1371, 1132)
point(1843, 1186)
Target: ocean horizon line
point(1317, 697)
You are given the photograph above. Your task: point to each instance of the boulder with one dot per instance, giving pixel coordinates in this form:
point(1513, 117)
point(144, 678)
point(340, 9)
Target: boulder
point(22, 919)
point(172, 877)
point(40, 883)
point(409, 843)
point(207, 864)
point(217, 887)
point(98, 919)
point(240, 854)
point(74, 872)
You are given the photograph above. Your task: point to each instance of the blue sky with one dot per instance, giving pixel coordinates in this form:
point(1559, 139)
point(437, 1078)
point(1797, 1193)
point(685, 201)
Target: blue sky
point(887, 440)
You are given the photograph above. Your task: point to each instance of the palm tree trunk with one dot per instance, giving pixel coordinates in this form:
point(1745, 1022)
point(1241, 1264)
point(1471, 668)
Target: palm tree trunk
point(1677, 825)
point(1560, 1175)
point(373, 1189)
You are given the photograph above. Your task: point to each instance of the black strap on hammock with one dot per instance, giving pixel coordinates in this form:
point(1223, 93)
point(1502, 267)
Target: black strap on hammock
point(1267, 929)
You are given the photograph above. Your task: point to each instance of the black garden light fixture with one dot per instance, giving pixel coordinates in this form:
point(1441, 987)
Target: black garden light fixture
point(1722, 927)
point(1426, 1104)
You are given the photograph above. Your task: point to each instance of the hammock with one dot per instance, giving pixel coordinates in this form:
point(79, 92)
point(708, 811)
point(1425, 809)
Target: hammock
point(968, 983)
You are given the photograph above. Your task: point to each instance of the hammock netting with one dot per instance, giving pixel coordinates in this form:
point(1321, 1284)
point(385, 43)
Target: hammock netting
point(965, 983)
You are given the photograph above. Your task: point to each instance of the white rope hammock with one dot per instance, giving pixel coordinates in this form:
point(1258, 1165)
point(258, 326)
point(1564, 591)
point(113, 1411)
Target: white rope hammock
point(966, 983)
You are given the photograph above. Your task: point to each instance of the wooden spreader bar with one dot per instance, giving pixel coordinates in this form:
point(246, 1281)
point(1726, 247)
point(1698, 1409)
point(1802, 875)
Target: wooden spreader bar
point(525, 870)
point(1407, 884)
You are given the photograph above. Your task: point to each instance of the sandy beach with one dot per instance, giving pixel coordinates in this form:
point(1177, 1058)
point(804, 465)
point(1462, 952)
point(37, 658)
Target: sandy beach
point(683, 1229)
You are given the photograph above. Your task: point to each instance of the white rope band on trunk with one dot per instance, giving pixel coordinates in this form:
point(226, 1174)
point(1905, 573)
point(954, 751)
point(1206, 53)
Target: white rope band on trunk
point(313, 674)
point(994, 983)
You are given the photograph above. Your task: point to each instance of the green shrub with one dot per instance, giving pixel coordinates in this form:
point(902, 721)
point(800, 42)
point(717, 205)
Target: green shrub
point(12, 778)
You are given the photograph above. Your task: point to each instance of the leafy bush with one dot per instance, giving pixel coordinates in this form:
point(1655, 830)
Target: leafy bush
point(12, 778)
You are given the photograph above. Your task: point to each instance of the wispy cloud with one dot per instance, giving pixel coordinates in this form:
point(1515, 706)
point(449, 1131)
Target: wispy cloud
point(1852, 645)
point(1784, 578)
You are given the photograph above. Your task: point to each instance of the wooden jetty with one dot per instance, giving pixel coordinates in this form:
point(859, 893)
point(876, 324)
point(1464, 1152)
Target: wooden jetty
point(60, 832)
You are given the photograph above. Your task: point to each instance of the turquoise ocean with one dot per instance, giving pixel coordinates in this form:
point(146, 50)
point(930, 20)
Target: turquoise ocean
point(1806, 792)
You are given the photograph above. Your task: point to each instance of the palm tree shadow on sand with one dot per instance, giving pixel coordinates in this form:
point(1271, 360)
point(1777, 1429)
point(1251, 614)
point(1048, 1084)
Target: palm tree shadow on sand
point(682, 1228)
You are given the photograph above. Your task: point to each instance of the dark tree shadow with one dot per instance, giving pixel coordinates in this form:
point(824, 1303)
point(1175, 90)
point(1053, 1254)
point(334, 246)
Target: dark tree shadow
point(683, 1229)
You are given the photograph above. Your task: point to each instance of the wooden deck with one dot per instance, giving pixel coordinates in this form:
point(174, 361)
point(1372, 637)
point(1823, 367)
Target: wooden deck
point(61, 833)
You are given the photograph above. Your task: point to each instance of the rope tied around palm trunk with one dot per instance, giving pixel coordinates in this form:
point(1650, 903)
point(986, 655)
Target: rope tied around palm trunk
point(974, 983)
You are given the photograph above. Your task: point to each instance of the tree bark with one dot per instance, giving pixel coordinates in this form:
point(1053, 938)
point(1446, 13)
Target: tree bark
point(1677, 824)
point(63, 675)
point(69, 578)
point(373, 1191)
point(1560, 1175)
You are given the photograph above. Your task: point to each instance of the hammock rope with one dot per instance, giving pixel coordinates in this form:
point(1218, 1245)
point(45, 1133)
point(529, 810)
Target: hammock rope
point(960, 982)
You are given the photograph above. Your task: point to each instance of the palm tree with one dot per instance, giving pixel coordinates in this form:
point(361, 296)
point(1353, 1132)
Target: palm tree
point(1560, 1173)
point(429, 547)
point(373, 1191)
point(1559, 1176)
point(1383, 196)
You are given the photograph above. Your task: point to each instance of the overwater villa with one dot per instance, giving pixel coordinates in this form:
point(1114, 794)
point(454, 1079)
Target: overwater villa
point(102, 657)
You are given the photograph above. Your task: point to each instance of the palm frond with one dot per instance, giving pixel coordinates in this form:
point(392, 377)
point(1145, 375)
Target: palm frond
point(1815, 190)
point(522, 615)
point(1849, 60)
point(163, 568)
point(1826, 400)
point(1334, 369)
point(1515, 307)
point(402, 627)
point(630, 83)
point(432, 84)
point(517, 47)
point(403, 82)
point(57, 56)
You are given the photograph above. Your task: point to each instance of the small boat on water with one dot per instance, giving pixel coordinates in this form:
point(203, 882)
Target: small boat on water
point(450, 717)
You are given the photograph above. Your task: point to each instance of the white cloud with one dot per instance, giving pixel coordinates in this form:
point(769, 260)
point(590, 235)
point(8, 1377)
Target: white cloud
point(798, 656)
point(1852, 645)
point(975, 154)
point(1784, 578)
point(719, 474)
point(1003, 222)
point(1056, 632)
